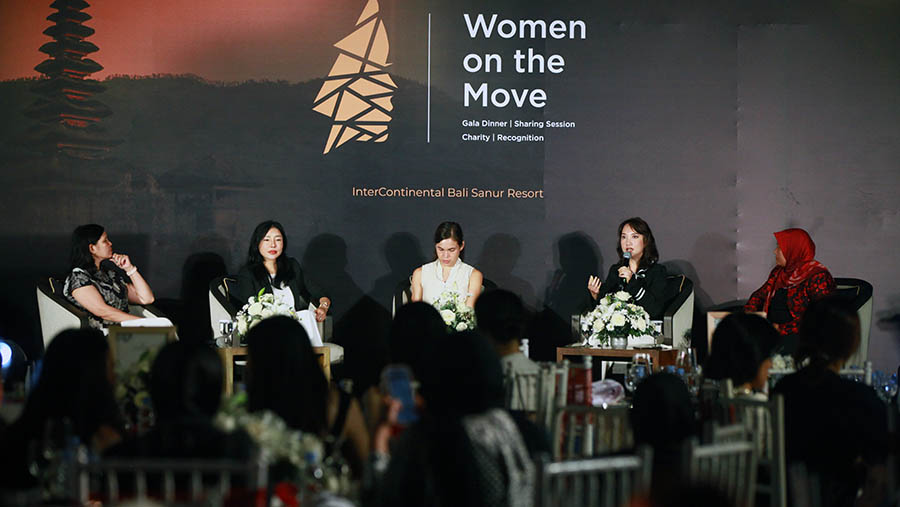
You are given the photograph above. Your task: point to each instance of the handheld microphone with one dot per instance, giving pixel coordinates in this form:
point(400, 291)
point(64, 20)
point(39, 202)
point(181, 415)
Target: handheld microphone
point(626, 257)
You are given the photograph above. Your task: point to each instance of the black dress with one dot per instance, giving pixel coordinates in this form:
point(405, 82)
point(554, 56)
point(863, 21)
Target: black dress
point(647, 288)
point(305, 290)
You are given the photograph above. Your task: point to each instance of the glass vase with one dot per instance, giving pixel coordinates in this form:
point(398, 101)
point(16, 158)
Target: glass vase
point(618, 342)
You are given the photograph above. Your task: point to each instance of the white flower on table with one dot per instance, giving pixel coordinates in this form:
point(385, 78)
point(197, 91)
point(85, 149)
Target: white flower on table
point(461, 326)
point(622, 295)
point(448, 316)
point(255, 308)
point(618, 320)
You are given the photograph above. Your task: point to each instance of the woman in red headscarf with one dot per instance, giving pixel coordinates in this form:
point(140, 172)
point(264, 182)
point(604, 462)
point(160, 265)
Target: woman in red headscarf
point(796, 280)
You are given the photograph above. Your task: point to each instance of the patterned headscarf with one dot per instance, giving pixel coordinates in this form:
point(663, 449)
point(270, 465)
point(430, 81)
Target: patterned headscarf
point(799, 252)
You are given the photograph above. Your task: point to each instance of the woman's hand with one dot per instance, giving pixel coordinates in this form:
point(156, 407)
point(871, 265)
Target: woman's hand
point(122, 261)
point(322, 309)
point(594, 284)
point(626, 273)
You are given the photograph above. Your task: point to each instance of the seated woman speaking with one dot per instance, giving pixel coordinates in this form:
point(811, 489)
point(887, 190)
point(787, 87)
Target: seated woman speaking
point(103, 282)
point(796, 280)
point(637, 271)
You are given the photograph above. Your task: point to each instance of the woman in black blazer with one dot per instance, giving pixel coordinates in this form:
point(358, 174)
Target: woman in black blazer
point(278, 274)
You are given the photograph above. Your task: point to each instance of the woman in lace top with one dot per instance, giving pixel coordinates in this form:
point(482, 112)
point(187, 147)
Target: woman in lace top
point(447, 273)
point(103, 282)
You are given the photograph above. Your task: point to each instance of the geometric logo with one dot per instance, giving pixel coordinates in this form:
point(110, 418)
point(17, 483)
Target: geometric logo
point(357, 93)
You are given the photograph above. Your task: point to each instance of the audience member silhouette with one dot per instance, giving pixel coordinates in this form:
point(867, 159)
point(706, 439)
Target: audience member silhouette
point(835, 427)
point(662, 417)
point(73, 398)
point(501, 317)
point(742, 348)
point(284, 377)
point(186, 388)
point(465, 449)
point(414, 331)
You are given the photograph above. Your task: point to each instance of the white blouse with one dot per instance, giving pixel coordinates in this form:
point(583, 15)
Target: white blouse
point(433, 284)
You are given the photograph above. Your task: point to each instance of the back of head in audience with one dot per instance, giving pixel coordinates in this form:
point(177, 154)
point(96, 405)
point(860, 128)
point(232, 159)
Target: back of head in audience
point(414, 330)
point(742, 345)
point(662, 413)
point(75, 383)
point(829, 333)
point(464, 376)
point(501, 316)
point(284, 376)
point(186, 381)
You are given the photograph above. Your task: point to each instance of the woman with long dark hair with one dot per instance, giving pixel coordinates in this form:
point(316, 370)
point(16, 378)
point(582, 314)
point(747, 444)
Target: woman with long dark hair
point(101, 281)
point(796, 280)
point(268, 268)
point(284, 377)
point(638, 271)
point(835, 426)
point(447, 273)
point(74, 394)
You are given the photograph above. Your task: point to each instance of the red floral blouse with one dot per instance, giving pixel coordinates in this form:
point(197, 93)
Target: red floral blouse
point(798, 297)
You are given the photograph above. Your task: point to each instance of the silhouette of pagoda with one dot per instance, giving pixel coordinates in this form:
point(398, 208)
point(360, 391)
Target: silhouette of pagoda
point(68, 117)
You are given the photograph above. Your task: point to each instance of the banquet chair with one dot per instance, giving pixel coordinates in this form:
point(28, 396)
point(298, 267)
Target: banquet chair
point(535, 393)
point(581, 431)
point(764, 421)
point(58, 314)
point(729, 467)
point(610, 481)
point(171, 481)
point(859, 294)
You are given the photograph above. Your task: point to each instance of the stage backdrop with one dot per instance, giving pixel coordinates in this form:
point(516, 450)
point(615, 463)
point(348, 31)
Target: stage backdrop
point(361, 125)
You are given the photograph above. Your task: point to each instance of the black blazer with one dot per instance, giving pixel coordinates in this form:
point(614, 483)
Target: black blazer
point(647, 287)
point(305, 290)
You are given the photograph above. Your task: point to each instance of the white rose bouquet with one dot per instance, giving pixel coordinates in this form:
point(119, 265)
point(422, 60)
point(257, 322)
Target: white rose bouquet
point(298, 457)
point(260, 307)
point(455, 313)
point(614, 317)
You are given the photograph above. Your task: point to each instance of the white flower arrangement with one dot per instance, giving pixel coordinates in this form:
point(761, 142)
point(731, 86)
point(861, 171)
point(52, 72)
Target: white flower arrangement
point(782, 363)
point(614, 317)
point(258, 308)
point(274, 438)
point(455, 313)
point(309, 467)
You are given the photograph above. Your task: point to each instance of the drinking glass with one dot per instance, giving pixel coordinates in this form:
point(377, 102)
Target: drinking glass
point(641, 367)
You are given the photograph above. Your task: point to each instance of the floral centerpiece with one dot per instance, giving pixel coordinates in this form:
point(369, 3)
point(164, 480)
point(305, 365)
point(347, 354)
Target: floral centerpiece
point(614, 318)
point(132, 392)
point(259, 307)
point(297, 457)
point(455, 313)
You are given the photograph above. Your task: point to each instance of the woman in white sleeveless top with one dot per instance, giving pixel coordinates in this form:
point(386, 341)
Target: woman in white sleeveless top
point(447, 272)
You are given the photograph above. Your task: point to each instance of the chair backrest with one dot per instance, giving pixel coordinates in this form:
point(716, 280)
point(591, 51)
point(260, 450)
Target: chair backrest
point(765, 421)
point(221, 308)
point(729, 467)
point(606, 482)
point(402, 295)
point(56, 312)
point(582, 431)
point(678, 315)
point(859, 294)
point(552, 391)
point(174, 482)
